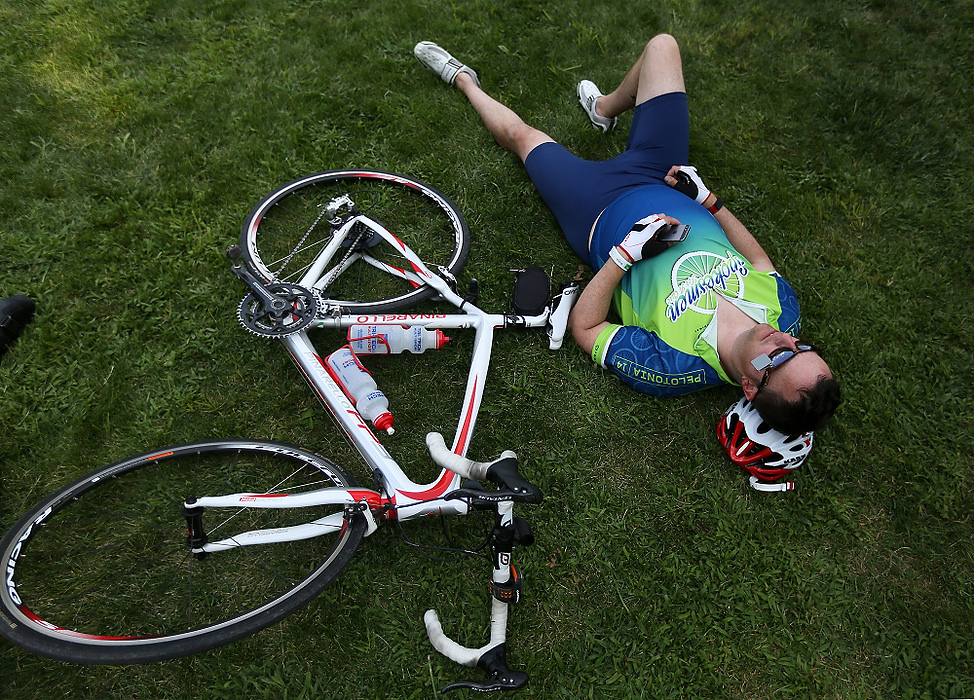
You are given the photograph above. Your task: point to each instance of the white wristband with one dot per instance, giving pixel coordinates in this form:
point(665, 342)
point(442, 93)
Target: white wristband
point(620, 258)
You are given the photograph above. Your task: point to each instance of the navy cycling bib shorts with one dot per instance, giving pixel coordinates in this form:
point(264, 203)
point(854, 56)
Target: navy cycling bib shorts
point(577, 190)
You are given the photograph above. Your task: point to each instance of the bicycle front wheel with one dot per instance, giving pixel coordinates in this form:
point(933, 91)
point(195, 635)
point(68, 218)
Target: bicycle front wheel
point(288, 231)
point(101, 572)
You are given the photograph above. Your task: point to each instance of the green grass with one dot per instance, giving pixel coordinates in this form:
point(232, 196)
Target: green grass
point(137, 134)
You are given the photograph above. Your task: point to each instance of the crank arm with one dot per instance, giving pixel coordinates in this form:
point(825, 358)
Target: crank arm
point(271, 302)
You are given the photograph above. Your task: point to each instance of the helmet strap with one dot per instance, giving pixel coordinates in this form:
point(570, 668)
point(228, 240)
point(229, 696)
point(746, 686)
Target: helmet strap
point(783, 486)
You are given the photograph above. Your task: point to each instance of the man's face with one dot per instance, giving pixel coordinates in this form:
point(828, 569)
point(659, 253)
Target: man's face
point(799, 372)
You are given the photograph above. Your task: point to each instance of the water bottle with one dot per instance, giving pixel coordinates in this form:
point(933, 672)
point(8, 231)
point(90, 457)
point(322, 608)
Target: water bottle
point(393, 339)
point(360, 388)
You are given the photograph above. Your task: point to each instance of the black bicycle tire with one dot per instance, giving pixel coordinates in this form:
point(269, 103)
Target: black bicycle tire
point(35, 634)
point(459, 231)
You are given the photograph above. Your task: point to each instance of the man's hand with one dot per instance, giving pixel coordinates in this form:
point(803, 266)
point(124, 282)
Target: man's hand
point(686, 179)
point(639, 243)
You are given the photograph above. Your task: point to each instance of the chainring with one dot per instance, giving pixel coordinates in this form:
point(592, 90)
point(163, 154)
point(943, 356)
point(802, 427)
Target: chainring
point(296, 311)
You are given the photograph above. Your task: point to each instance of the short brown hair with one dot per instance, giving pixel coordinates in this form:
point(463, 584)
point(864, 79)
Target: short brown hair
point(812, 411)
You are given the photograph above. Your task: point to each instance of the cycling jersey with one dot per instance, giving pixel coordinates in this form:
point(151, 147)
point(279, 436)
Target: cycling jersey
point(667, 343)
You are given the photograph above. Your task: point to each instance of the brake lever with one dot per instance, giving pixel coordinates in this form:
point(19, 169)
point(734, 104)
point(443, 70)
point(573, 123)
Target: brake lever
point(504, 473)
point(499, 676)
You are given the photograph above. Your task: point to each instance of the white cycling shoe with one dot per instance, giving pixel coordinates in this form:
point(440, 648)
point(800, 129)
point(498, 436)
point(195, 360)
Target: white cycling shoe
point(440, 62)
point(588, 95)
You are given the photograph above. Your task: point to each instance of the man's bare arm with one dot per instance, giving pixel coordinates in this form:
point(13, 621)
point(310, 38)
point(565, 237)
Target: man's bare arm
point(588, 316)
point(742, 240)
point(738, 235)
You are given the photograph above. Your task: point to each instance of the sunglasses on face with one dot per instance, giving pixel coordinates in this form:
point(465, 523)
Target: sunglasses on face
point(768, 362)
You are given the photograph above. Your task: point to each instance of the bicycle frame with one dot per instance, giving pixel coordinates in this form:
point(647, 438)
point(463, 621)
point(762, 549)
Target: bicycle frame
point(407, 498)
point(400, 497)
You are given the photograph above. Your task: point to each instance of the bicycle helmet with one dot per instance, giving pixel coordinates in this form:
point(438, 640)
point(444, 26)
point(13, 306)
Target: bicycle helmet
point(758, 448)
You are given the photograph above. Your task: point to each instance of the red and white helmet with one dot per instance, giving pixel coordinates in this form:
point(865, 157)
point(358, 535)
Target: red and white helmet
point(758, 448)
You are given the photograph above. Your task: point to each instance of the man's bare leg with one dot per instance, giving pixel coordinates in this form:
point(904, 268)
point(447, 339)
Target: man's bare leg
point(507, 128)
point(659, 70)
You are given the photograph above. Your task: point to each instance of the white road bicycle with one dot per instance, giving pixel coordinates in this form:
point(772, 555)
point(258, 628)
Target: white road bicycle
point(104, 572)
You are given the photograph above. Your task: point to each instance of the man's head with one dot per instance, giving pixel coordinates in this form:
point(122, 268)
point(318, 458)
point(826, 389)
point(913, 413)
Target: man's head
point(787, 380)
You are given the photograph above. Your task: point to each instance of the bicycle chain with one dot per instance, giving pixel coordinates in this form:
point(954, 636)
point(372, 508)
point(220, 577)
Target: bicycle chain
point(296, 248)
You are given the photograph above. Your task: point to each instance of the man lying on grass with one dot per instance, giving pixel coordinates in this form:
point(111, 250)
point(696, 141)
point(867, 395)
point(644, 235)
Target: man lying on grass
point(705, 311)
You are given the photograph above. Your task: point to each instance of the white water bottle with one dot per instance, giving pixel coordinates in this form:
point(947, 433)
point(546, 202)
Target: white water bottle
point(360, 388)
point(393, 339)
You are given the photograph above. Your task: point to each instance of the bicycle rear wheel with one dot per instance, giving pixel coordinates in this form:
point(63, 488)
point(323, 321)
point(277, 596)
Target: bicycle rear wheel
point(101, 573)
point(287, 231)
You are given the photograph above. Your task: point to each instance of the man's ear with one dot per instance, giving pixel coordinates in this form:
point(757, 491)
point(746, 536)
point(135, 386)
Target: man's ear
point(750, 388)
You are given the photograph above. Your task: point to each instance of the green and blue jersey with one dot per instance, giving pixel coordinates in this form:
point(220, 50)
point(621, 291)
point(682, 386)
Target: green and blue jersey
point(667, 342)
